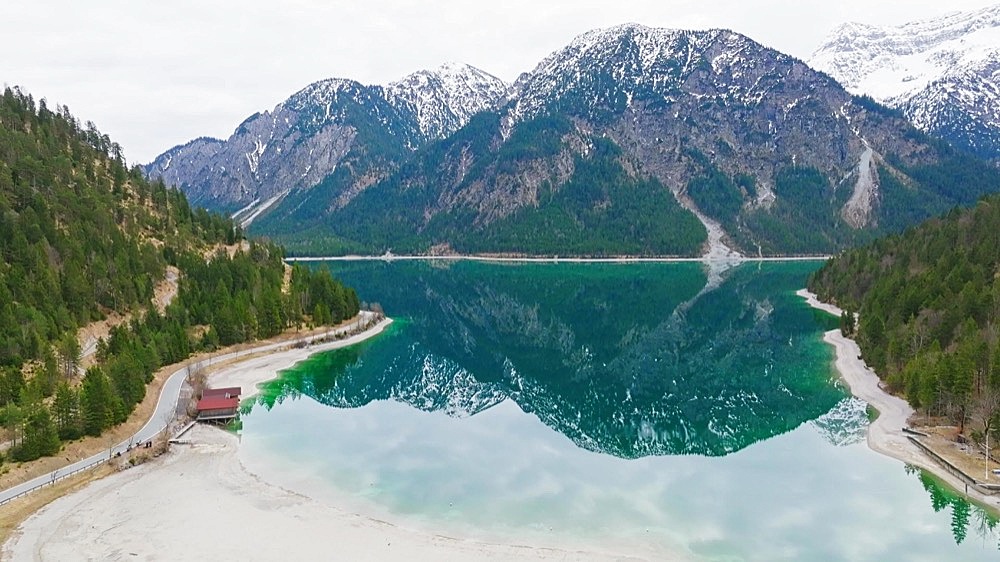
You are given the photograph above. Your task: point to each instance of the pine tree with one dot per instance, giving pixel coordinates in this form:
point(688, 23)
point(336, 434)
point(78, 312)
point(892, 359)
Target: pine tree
point(40, 436)
point(69, 355)
point(66, 410)
point(96, 402)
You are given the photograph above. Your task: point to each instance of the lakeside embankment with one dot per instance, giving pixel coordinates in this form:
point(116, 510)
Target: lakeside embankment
point(556, 259)
point(885, 434)
point(158, 410)
point(183, 502)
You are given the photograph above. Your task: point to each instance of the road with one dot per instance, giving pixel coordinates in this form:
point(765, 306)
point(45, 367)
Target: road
point(166, 407)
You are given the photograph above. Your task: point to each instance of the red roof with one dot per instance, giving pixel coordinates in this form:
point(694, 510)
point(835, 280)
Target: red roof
point(228, 392)
point(217, 403)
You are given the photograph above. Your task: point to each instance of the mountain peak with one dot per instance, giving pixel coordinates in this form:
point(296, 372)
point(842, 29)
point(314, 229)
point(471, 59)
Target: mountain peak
point(646, 62)
point(649, 41)
point(322, 92)
point(444, 99)
point(888, 62)
point(924, 66)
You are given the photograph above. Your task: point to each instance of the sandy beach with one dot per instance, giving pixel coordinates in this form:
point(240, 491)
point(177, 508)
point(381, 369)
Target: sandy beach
point(199, 502)
point(885, 434)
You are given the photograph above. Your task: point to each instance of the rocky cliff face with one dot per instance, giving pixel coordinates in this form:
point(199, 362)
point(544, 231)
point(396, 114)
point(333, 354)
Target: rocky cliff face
point(943, 73)
point(779, 156)
point(303, 140)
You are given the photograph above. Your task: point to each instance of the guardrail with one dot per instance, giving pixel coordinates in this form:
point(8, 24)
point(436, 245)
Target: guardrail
point(55, 477)
point(983, 487)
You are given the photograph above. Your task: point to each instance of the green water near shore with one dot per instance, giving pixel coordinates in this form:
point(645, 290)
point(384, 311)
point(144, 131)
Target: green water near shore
point(622, 406)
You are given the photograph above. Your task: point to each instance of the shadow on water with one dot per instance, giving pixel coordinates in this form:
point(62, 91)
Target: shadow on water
point(629, 360)
point(965, 515)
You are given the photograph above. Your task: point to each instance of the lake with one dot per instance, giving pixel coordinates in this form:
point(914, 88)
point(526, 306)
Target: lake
point(624, 408)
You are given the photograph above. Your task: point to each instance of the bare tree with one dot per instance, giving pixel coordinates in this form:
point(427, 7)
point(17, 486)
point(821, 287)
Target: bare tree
point(986, 408)
point(161, 443)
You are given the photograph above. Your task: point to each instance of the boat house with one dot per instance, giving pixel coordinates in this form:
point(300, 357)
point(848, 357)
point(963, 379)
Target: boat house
point(219, 404)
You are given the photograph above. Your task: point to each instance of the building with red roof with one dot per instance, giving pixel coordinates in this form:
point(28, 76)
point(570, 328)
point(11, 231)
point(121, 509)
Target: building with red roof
point(218, 404)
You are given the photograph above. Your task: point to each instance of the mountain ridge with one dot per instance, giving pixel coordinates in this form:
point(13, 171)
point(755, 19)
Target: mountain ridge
point(941, 72)
point(302, 140)
point(620, 133)
point(743, 137)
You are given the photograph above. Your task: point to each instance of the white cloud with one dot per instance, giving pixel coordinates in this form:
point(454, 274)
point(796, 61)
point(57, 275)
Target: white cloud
point(156, 74)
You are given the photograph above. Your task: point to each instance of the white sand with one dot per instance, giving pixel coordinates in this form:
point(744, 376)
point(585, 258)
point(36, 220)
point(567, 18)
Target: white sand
point(885, 435)
point(198, 502)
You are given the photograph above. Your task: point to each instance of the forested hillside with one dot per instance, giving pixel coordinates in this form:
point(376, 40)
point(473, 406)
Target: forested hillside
point(82, 236)
point(929, 304)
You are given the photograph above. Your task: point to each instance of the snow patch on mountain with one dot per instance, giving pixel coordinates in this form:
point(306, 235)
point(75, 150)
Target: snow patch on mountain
point(637, 57)
point(443, 100)
point(943, 73)
point(303, 139)
point(895, 63)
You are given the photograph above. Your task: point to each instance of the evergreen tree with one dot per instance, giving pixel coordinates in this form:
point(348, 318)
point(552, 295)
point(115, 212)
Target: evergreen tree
point(96, 402)
point(69, 355)
point(929, 301)
point(40, 436)
point(66, 410)
point(82, 234)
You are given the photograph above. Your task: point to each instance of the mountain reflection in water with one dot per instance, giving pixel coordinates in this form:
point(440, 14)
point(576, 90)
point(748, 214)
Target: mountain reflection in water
point(628, 360)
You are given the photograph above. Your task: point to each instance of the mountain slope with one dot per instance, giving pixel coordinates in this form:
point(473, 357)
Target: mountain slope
point(83, 237)
point(943, 73)
point(741, 136)
point(331, 124)
point(81, 234)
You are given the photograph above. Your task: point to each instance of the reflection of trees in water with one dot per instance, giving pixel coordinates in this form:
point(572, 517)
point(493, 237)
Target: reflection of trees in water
point(964, 514)
point(625, 360)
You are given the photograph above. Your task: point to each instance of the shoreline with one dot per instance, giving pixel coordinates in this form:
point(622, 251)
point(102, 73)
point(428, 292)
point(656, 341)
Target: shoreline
point(183, 504)
point(885, 435)
point(161, 406)
point(711, 258)
point(145, 511)
point(253, 371)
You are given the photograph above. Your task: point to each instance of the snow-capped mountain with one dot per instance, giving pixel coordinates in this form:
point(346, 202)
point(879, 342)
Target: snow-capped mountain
point(366, 129)
point(943, 73)
point(752, 142)
point(629, 63)
point(444, 100)
point(630, 140)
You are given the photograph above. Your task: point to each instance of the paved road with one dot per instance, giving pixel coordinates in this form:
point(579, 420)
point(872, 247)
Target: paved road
point(166, 407)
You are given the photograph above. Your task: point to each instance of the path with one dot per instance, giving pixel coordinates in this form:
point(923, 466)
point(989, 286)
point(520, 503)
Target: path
point(163, 294)
point(166, 407)
point(885, 434)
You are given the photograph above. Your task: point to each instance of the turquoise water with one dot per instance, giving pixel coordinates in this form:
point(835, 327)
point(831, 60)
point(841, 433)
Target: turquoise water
point(617, 407)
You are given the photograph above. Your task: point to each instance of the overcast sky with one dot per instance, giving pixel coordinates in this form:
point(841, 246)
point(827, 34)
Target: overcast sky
point(154, 74)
